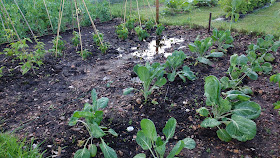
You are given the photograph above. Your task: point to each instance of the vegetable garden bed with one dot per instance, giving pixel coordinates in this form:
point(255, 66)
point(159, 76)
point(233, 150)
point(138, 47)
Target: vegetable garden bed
point(41, 105)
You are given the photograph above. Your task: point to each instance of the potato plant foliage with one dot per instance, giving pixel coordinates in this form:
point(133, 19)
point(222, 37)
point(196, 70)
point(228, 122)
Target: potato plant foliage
point(235, 111)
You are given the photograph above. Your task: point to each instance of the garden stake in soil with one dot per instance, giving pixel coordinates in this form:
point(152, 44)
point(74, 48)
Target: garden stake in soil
point(59, 23)
point(48, 14)
point(75, 1)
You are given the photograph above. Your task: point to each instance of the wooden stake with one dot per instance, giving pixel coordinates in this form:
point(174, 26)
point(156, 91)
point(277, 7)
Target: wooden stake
point(25, 20)
point(138, 12)
point(152, 11)
point(94, 28)
point(124, 11)
point(209, 26)
point(157, 11)
point(59, 23)
point(48, 15)
point(77, 16)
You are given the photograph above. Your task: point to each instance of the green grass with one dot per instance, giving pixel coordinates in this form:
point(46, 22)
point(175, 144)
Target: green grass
point(11, 147)
point(262, 21)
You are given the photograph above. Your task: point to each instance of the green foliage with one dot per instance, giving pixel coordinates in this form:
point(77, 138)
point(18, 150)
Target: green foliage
point(149, 25)
point(130, 24)
point(29, 60)
point(160, 29)
point(93, 116)
point(103, 12)
point(76, 39)
point(141, 33)
point(11, 147)
point(277, 106)
point(60, 46)
point(275, 78)
point(175, 61)
point(98, 40)
point(84, 54)
point(122, 31)
point(235, 111)
point(1, 70)
point(223, 39)
point(148, 139)
point(147, 74)
point(201, 47)
point(176, 6)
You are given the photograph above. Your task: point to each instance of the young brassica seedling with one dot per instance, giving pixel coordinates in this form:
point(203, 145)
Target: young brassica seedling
point(173, 62)
point(148, 139)
point(223, 39)
point(201, 50)
point(235, 111)
point(147, 74)
point(93, 116)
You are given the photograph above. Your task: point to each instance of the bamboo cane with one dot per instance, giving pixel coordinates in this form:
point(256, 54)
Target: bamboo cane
point(25, 20)
point(81, 44)
point(110, 9)
point(10, 20)
point(94, 28)
point(124, 11)
point(59, 23)
point(152, 11)
point(138, 12)
point(48, 15)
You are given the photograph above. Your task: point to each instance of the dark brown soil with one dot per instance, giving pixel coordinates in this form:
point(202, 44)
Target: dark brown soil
point(40, 105)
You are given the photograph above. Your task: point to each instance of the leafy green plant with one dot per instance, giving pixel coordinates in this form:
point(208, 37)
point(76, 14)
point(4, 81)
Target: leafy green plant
point(11, 147)
point(102, 46)
point(201, 50)
point(29, 60)
point(275, 78)
point(223, 39)
point(263, 47)
point(277, 106)
point(122, 31)
point(160, 29)
point(236, 112)
point(84, 54)
point(76, 39)
point(173, 62)
point(149, 25)
point(141, 33)
point(130, 23)
point(93, 116)
point(147, 74)
point(148, 139)
point(60, 46)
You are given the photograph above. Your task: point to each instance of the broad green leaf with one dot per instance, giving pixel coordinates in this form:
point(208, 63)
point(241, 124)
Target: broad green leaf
point(177, 149)
point(87, 107)
point(212, 88)
point(275, 46)
point(169, 128)
point(160, 146)
point(189, 143)
point(171, 76)
point(93, 150)
point(94, 97)
point(188, 73)
point(95, 130)
point(205, 61)
point(275, 78)
point(223, 135)
point(267, 67)
point(241, 128)
point(192, 47)
point(82, 153)
point(225, 82)
point(102, 103)
point(127, 91)
point(269, 57)
point(149, 129)
point(203, 111)
point(235, 94)
point(252, 75)
point(276, 105)
point(107, 151)
point(215, 54)
point(234, 60)
point(242, 60)
point(85, 114)
point(142, 155)
point(160, 82)
point(143, 141)
point(73, 120)
point(247, 109)
point(224, 106)
point(143, 73)
point(210, 122)
point(98, 117)
point(111, 131)
point(246, 90)
point(182, 77)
